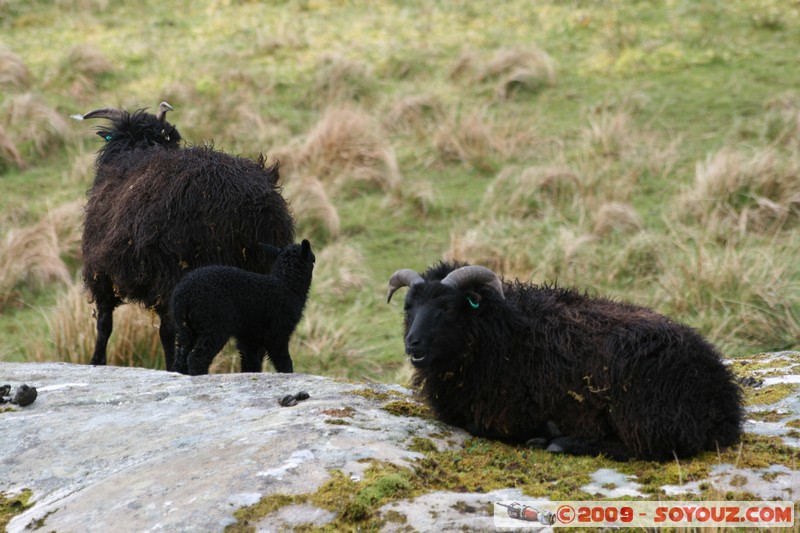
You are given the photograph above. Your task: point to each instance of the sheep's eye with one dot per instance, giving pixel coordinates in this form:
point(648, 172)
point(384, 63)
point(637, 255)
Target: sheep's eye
point(472, 304)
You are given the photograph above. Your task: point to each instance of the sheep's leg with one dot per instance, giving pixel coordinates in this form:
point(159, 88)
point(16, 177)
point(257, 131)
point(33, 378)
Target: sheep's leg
point(166, 331)
point(105, 323)
point(185, 342)
point(252, 355)
point(279, 355)
point(202, 355)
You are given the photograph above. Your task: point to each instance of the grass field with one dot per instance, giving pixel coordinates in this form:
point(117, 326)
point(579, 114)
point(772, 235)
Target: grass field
point(649, 151)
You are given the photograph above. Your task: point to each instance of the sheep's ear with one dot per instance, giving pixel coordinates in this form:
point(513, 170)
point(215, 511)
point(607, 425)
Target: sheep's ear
point(305, 250)
point(474, 300)
point(272, 251)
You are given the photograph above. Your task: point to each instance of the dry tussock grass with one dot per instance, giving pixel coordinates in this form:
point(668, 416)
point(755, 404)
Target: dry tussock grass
point(81, 170)
point(34, 256)
point(340, 79)
point(782, 121)
point(530, 191)
point(517, 69)
point(616, 217)
point(738, 295)
point(14, 75)
point(340, 270)
point(316, 215)
point(737, 193)
point(326, 346)
point(82, 70)
point(415, 114)
point(134, 341)
point(609, 134)
point(472, 139)
point(345, 149)
point(418, 195)
point(520, 71)
point(9, 154)
point(34, 124)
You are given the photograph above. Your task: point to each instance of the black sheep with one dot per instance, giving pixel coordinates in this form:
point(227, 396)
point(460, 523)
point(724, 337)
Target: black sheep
point(519, 362)
point(214, 303)
point(156, 211)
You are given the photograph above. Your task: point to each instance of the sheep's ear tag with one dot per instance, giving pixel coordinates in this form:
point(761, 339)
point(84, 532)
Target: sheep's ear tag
point(472, 304)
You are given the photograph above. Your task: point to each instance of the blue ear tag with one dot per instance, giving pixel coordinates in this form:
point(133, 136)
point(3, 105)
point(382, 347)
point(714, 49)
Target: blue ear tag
point(108, 138)
point(472, 304)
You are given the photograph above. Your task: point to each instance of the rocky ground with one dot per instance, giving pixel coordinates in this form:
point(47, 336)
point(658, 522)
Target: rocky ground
point(129, 449)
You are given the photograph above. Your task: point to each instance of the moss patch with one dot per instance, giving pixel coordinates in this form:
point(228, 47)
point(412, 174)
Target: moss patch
point(13, 504)
point(747, 367)
point(408, 408)
point(769, 395)
point(379, 396)
point(340, 413)
point(767, 416)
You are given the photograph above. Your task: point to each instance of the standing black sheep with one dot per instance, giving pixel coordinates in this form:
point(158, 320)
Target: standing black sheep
point(157, 211)
point(214, 303)
point(519, 362)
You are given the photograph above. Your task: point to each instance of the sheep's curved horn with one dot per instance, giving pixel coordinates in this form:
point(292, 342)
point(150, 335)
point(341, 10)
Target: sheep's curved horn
point(403, 278)
point(106, 112)
point(474, 274)
point(163, 107)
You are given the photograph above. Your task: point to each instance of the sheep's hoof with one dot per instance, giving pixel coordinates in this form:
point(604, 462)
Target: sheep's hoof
point(25, 395)
point(537, 443)
point(5, 390)
point(302, 395)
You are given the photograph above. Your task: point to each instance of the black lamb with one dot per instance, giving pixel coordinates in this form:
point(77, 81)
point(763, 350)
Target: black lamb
point(156, 211)
point(214, 303)
point(542, 364)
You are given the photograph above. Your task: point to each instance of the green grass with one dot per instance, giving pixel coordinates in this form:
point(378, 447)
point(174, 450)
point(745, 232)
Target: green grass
point(679, 79)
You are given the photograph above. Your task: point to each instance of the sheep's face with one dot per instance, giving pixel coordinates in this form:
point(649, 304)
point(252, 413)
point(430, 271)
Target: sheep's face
point(436, 319)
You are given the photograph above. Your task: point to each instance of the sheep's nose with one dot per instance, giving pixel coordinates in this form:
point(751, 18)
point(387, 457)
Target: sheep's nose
point(412, 343)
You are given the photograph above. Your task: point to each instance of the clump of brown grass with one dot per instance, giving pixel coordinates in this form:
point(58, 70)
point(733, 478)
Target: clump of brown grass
point(740, 295)
point(609, 134)
point(34, 256)
point(325, 345)
point(340, 79)
point(415, 114)
point(782, 120)
point(9, 154)
point(135, 341)
point(340, 270)
point(516, 70)
point(14, 75)
point(741, 193)
point(418, 195)
point(82, 70)
point(616, 217)
point(81, 170)
point(472, 139)
point(520, 71)
point(316, 215)
point(33, 124)
point(345, 149)
point(529, 191)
